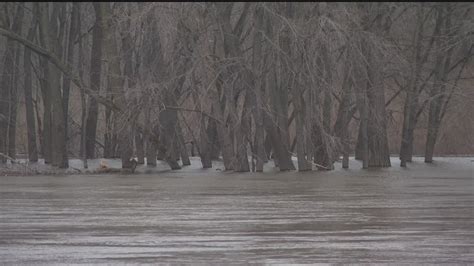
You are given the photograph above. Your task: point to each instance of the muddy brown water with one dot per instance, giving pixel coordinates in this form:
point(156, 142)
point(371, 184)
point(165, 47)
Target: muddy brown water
point(419, 215)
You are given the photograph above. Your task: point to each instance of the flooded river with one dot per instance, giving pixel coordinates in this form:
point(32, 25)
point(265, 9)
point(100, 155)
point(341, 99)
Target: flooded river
point(424, 214)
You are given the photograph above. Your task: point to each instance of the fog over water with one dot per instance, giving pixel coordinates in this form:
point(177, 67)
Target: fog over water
point(420, 214)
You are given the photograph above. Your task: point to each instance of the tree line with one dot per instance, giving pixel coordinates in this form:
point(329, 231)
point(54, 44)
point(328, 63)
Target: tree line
point(242, 82)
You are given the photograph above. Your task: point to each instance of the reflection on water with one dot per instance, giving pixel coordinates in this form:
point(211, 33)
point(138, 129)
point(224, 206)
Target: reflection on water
point(424, 214)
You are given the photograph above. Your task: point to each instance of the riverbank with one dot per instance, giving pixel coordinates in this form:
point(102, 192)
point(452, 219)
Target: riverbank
point(113, 166)
point(95, 166)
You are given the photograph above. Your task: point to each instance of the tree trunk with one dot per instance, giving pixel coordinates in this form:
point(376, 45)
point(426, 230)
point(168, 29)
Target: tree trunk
point(267, 143)
point(225, 141)
point(70, 61)
point(344, 116)
point(58, 126)
point(241, 131)
point(279, 133)
point(411, 107)
point(322, 149)
point(301, 144)
point(83, 93)
point(235, 100)
point(363, 142)
point(116, 85)
point(161, 151)
point(28, 93)
point(54, 128)
point(150, 140)
point(379, 155)
point(359, 150)
point(182, 146)
point(8, 90)
point(279, 106)
point(304, 123)
point(8, 61)
point(259, 62)
point(168, 137)
point(108, 145)
point(371, 98)
point(437, 93)
point(14, 106)
point(362, 105)
point(95, 77)
point(45, 93)
point(139, 142)
point(204, 145)
point(432, 134)
point(151, 153)
point(213, 140)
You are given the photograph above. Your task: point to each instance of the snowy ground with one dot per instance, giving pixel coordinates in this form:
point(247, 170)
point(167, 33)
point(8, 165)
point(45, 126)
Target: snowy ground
point(76, 167)
point(422, 214)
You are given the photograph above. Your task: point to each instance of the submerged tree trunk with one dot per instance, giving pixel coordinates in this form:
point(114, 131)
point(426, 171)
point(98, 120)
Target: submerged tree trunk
point(214, 141)
point(169, 138)
point(225, 140)
point(363, 141)
point(241, 163)
point(344, 115)
point(438, 95)
point(434, 122)
point(301, 139)
point(236, 98)
point(371, 95)
point(288, 82)
point(204, 144)
point(139, 143)
point(150, 139)
point(259, 62)
point(379, 155)
point(279, 132)
point(151, 153)
point(183, 152)
point(151, 146)
point(116, 85)
point(278, 128)
point(414, 86)
point(323, 141)
point(322, 149)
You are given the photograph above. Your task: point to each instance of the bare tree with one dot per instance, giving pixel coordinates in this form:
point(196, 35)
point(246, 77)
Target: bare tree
point(245, 82)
